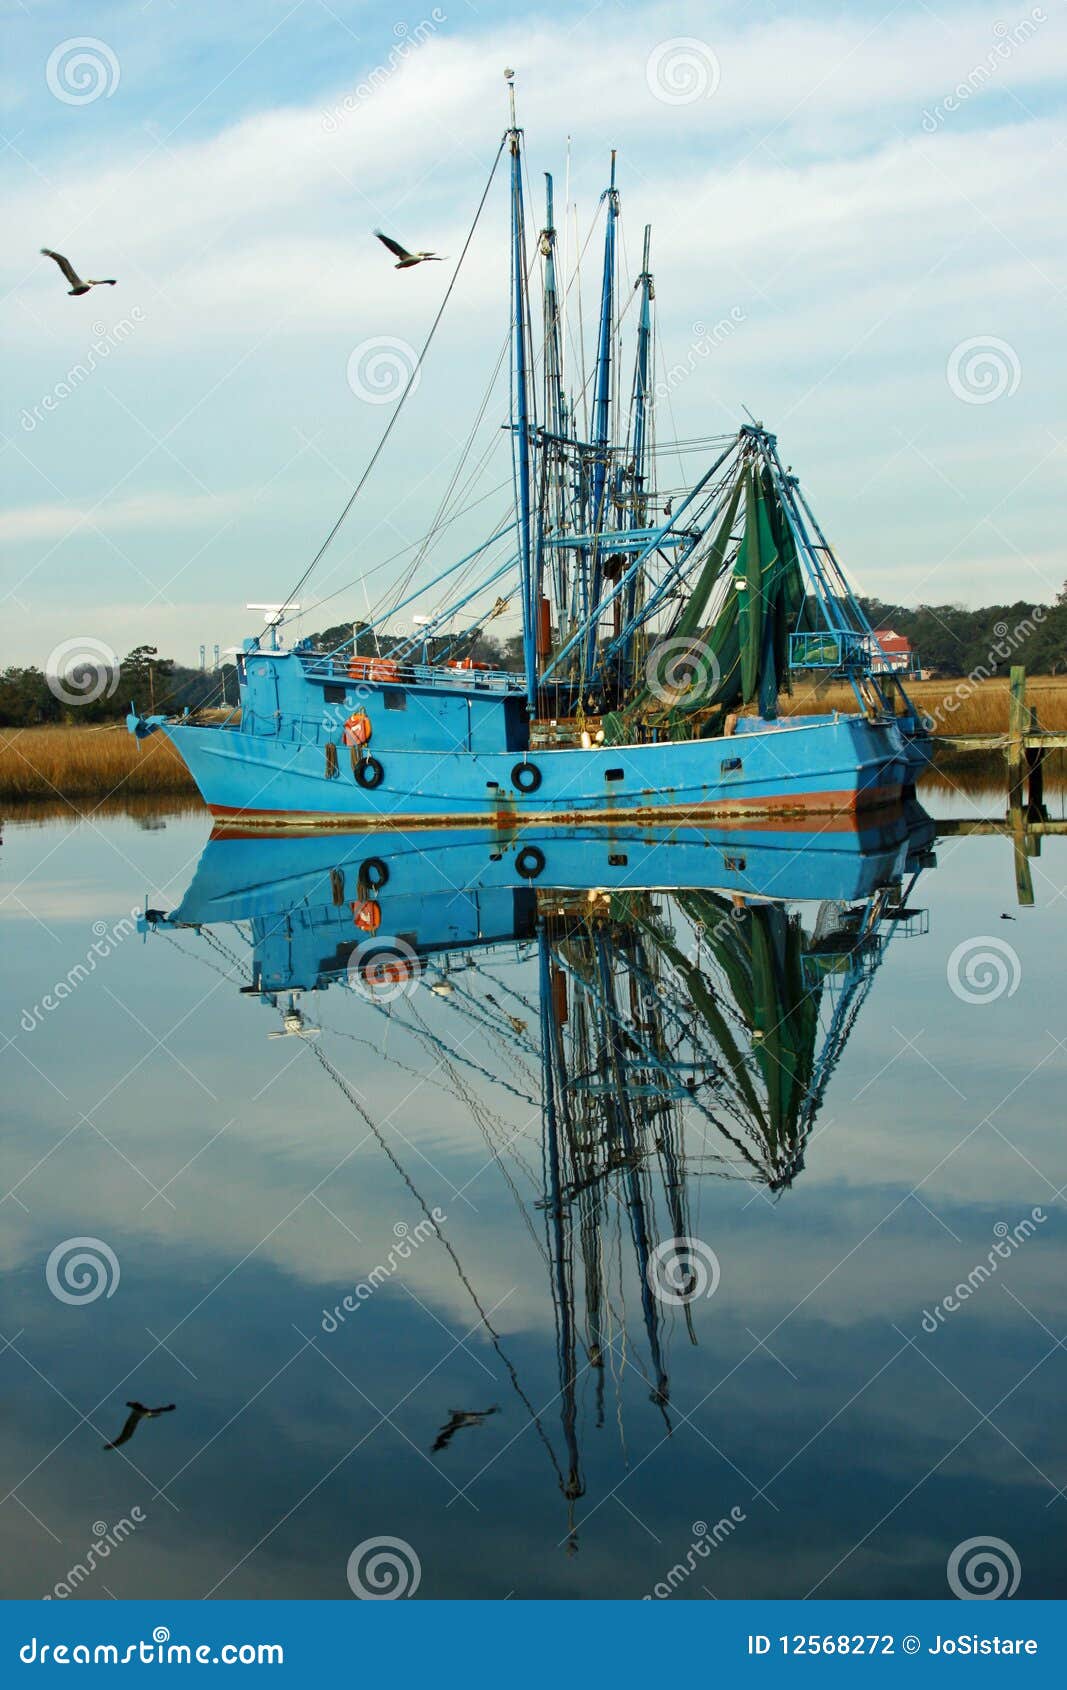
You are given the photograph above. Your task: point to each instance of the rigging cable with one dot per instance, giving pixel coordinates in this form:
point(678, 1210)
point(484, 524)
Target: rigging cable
point(376, 454)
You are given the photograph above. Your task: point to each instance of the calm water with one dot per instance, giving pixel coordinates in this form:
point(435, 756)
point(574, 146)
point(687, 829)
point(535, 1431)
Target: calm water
point(638, 1198)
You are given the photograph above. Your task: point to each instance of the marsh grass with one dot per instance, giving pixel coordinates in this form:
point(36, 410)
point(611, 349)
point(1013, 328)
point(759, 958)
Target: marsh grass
point(956, 707)
point(54, 763)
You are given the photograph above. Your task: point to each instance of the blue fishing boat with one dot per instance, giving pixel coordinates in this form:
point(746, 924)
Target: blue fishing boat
point(659, 625)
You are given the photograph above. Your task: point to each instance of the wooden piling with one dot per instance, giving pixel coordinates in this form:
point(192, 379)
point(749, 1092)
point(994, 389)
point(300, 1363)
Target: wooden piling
point(1018, 727)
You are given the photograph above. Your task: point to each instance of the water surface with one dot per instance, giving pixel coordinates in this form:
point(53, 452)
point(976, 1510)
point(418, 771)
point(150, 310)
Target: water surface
point(388, 1205)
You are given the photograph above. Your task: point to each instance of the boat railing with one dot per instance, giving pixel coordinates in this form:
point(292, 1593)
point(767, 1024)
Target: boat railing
point(388, 671)
point(834, 649)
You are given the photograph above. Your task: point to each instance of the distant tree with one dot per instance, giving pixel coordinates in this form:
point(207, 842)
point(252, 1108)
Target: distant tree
point(143, 667)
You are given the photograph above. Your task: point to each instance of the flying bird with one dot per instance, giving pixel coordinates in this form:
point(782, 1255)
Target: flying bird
point(405, 259)
point(138, 1412)
point(76, 283)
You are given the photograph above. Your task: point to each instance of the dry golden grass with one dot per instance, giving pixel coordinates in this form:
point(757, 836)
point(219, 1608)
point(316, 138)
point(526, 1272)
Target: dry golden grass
point(92, 762)
point(957, 707)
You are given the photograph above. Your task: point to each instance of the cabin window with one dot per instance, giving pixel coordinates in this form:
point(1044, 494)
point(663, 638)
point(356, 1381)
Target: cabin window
point(396, 699)
point(734, 865)
point(614, 774)
point(334, 695)
point(730, 766)
point(615, 861)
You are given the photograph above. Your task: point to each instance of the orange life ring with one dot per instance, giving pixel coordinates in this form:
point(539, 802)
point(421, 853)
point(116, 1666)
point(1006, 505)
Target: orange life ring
point(357, 730)
point(373, 669)
point(367, 915)
point(465, 663)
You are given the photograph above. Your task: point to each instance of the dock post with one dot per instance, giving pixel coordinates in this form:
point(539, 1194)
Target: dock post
point(1018, 726)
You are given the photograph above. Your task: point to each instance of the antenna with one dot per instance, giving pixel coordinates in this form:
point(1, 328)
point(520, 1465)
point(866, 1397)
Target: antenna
point(509, 78)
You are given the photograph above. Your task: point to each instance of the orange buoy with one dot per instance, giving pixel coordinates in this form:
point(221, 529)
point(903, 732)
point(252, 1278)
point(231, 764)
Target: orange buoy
point(357, 729)
point(367, 915)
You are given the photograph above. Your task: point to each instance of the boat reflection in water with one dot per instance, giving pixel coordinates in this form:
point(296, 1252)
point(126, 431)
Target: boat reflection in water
point(670, 1004)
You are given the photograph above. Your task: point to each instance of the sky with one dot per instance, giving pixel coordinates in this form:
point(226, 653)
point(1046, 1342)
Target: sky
point(857, 234)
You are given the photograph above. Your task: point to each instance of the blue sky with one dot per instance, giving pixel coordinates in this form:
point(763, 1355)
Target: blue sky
point(867, 197)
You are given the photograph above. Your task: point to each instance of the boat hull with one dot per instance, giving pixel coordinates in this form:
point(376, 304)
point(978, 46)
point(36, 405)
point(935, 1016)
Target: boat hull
point(823, 767)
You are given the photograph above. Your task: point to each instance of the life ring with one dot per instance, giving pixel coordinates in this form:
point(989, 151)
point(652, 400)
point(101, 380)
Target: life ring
point(367, 915)
point(369, 772)
point(530, 862)
point(373, 874)
point(465, 663)
point(373, 669)
point(526, 776)
point(357, 730)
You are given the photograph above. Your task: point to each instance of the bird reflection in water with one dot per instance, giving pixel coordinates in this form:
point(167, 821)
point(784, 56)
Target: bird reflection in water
point(458, 1418)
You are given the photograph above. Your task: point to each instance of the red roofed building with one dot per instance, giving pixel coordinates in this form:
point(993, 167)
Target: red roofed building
point(892, 651)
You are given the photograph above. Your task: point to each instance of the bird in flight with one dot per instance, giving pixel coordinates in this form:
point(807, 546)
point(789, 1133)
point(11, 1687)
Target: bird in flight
point(405, 260)
point(76, 283)
point(138, 1412)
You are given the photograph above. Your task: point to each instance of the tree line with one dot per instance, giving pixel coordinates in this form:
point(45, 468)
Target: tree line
point(948, 639)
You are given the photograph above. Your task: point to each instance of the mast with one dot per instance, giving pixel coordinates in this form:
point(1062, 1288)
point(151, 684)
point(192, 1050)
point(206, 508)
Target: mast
point(642, 407)
point(601, 431)
point(520, 406)
point(552, 504)
point(642, 394)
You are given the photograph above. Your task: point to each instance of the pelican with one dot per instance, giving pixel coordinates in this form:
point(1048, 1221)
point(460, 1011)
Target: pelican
point(138, 1412)
point(405, 260)
point(76, 283)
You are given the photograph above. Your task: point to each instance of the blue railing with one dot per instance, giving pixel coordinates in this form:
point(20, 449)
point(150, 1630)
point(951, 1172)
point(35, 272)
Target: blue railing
point(830, 649)
point(319, 666)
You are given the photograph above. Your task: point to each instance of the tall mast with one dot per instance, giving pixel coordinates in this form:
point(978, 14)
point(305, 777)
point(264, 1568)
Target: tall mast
point(553, 463)
point(642, 408)
point(642, 394)
point(520, 408)
point(601, 431)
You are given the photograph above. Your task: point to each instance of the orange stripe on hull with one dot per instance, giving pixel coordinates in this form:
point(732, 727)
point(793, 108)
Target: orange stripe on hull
point(839, 809)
